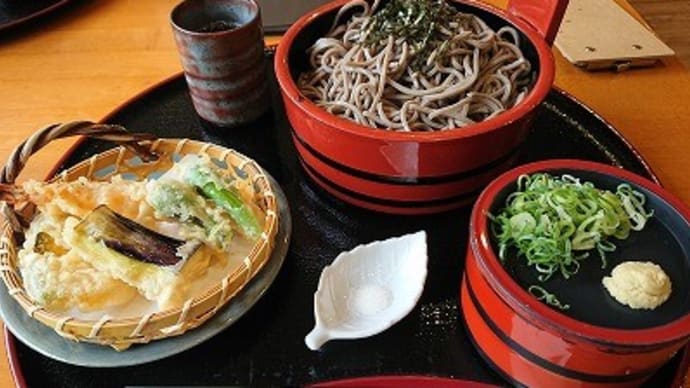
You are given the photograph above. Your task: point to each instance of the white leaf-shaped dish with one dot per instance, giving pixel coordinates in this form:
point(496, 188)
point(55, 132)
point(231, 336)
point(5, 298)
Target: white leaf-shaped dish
point(368, 289)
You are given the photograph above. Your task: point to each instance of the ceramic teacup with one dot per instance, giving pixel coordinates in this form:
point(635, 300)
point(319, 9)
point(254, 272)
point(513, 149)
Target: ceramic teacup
point(221, 48)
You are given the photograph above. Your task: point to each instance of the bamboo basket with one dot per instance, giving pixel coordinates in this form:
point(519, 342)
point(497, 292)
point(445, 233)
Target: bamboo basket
point(141, 155)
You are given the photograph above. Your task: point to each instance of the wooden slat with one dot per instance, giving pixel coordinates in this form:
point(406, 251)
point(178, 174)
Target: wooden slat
point(670, 19)
point(600, 34)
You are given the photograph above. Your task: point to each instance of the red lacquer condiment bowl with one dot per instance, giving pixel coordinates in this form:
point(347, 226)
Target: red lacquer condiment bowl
point(598, 342)
point(414, 172)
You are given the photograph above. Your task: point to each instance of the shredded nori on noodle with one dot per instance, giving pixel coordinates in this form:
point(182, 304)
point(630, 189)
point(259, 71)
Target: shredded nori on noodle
point(415, 66)
point(419, 22)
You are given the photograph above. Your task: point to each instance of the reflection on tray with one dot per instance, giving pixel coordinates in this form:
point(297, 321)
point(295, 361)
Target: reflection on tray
point(15, 13)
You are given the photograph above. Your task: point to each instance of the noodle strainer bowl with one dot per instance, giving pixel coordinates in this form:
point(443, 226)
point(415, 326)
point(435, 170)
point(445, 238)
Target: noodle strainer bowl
point(414, 172)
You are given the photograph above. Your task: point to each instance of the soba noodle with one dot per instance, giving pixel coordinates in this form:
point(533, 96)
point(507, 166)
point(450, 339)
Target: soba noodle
point(460, 73)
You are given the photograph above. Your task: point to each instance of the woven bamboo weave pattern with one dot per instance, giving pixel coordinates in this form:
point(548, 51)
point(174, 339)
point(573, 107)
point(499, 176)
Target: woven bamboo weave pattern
point(122, 333)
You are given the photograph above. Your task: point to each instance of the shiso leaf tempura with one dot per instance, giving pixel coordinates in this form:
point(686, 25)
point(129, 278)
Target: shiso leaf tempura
point(554, 221)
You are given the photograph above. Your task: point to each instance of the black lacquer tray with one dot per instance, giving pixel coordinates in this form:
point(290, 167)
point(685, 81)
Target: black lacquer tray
point(266, 346)
point(14, 13)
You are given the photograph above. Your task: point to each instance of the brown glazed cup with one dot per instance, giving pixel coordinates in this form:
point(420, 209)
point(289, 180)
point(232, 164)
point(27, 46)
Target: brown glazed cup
point(221, 47)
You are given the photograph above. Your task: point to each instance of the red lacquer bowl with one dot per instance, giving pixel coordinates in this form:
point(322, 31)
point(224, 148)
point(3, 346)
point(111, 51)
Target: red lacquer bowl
point(597, 342)
point(413, 173)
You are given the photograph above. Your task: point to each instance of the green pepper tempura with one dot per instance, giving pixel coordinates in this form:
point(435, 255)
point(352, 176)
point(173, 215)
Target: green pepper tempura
point(195, 193)
point(210, 184)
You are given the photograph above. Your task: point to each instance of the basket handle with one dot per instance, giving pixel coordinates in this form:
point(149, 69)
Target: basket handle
point(110, 132)
point(17, 160)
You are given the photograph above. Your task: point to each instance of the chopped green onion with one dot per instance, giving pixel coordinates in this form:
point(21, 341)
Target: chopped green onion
point(554, 221)
point(542, 294)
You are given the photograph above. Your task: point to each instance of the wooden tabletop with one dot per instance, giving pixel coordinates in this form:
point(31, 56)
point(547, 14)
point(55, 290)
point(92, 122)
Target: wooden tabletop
point(89, 58)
